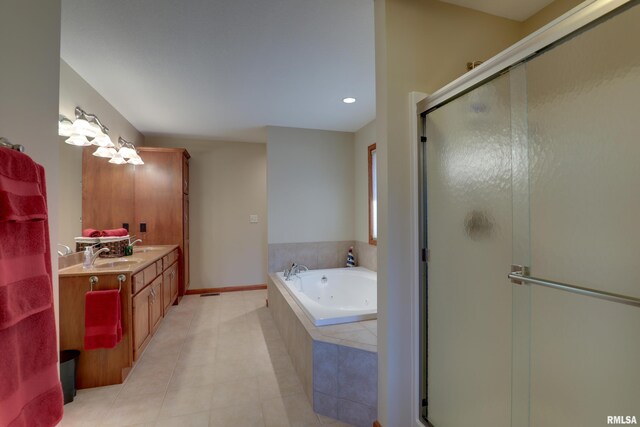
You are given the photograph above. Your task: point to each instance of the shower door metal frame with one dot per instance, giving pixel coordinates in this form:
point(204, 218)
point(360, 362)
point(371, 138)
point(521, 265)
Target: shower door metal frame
point(423, 277)
point(567, 25)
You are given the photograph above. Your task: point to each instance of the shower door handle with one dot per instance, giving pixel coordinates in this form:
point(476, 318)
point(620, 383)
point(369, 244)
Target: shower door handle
point(520, 274)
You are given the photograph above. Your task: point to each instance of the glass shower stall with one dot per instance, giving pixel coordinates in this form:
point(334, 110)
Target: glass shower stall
point(530, 186)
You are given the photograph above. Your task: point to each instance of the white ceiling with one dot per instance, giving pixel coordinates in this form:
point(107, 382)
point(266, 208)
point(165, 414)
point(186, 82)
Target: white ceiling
point(518, 10)
point(224, 69)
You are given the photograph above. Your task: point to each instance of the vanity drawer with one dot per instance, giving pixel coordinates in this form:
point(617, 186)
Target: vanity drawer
point(146, 276)
point(169, 259)
point(137, 283)
point(150, 273)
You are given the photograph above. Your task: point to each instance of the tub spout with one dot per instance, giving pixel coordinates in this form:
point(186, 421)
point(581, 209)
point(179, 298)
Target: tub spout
point(294, 270)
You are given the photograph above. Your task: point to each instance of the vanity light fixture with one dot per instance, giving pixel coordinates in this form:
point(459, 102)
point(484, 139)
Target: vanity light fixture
point(137, 160)
point(117, 159)
point(87, 130)
point(85, 126)
point(349, 100)
point(78, 140)
point(105, 152)
point(128, 151)
point(64, 126)
point(103, 140)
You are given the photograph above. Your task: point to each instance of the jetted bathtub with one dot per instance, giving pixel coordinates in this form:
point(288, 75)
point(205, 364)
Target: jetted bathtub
point(335, 295)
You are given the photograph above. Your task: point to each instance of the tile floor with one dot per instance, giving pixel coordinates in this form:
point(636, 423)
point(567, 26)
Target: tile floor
point(215, 361)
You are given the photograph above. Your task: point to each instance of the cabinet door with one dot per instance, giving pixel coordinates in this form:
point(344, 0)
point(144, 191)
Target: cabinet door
point(141, 326)
point(174, 281)
point(107, 193)
point(158, 198)
point(155, 304)
point(185, 246)
point(166, 290)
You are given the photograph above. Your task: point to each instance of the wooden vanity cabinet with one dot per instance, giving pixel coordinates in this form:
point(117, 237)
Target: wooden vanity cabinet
point(154, 290)
point(153, 199)
point(146, 297)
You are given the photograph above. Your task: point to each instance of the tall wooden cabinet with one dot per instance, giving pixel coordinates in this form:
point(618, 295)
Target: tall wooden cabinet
point(152, 200)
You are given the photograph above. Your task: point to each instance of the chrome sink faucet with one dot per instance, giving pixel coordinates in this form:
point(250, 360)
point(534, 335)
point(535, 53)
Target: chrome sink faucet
point(67, 250)
point(135, 241)
point(97, 253)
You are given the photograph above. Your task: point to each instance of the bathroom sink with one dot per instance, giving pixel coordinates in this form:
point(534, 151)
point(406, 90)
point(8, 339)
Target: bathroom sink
point(145, 249)
point(117, 263)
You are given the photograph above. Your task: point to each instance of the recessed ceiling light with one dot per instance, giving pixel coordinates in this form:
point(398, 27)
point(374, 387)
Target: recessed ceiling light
point(349, 100)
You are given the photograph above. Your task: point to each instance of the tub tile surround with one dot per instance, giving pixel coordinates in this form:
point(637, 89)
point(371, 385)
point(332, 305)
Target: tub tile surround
point(337, 364)
point(224, 364)
point(366, 255)
point(317, 255)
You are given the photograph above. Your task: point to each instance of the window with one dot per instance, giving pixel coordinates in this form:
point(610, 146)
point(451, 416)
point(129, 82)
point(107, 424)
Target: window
point(373, 196)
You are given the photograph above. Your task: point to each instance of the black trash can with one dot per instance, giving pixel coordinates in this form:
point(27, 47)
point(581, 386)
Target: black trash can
point(68, 361)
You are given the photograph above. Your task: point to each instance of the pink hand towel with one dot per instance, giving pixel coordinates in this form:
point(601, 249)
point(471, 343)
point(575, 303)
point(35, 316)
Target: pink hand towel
point(102, 319)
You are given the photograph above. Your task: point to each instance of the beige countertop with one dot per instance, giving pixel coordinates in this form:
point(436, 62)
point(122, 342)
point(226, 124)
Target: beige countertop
point(142, 257)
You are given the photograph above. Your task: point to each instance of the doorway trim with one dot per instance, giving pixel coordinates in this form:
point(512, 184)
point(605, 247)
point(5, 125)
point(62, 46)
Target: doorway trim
point(414, 99)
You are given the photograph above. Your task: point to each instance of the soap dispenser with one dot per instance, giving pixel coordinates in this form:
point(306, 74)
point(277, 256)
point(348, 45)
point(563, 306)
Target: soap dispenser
point(351, 259)
point(88, 254)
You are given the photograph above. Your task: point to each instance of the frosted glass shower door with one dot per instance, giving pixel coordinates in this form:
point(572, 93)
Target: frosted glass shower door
point(584, 151)
point(540, 167)
point(469, 347)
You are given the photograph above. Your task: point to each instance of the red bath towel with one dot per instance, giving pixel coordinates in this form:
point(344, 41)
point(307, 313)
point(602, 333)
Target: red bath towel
point(91, 232)
point(102, 319)
point(30, 391)
point(116, 232)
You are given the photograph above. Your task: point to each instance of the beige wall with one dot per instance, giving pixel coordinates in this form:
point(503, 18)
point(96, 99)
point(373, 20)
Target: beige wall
point(546, 15)
point(364, 137)
point(310, 185)
point(420, 46)
point(228, 182)
point(75, 91)
point(30, 46)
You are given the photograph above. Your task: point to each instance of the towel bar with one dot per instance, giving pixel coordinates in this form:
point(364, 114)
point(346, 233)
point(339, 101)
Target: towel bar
point(4, 142)
point(93, 280)
point(519, 276)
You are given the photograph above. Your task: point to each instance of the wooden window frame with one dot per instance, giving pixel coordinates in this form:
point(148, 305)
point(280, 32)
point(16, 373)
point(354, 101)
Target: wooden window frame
point(370, 150)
